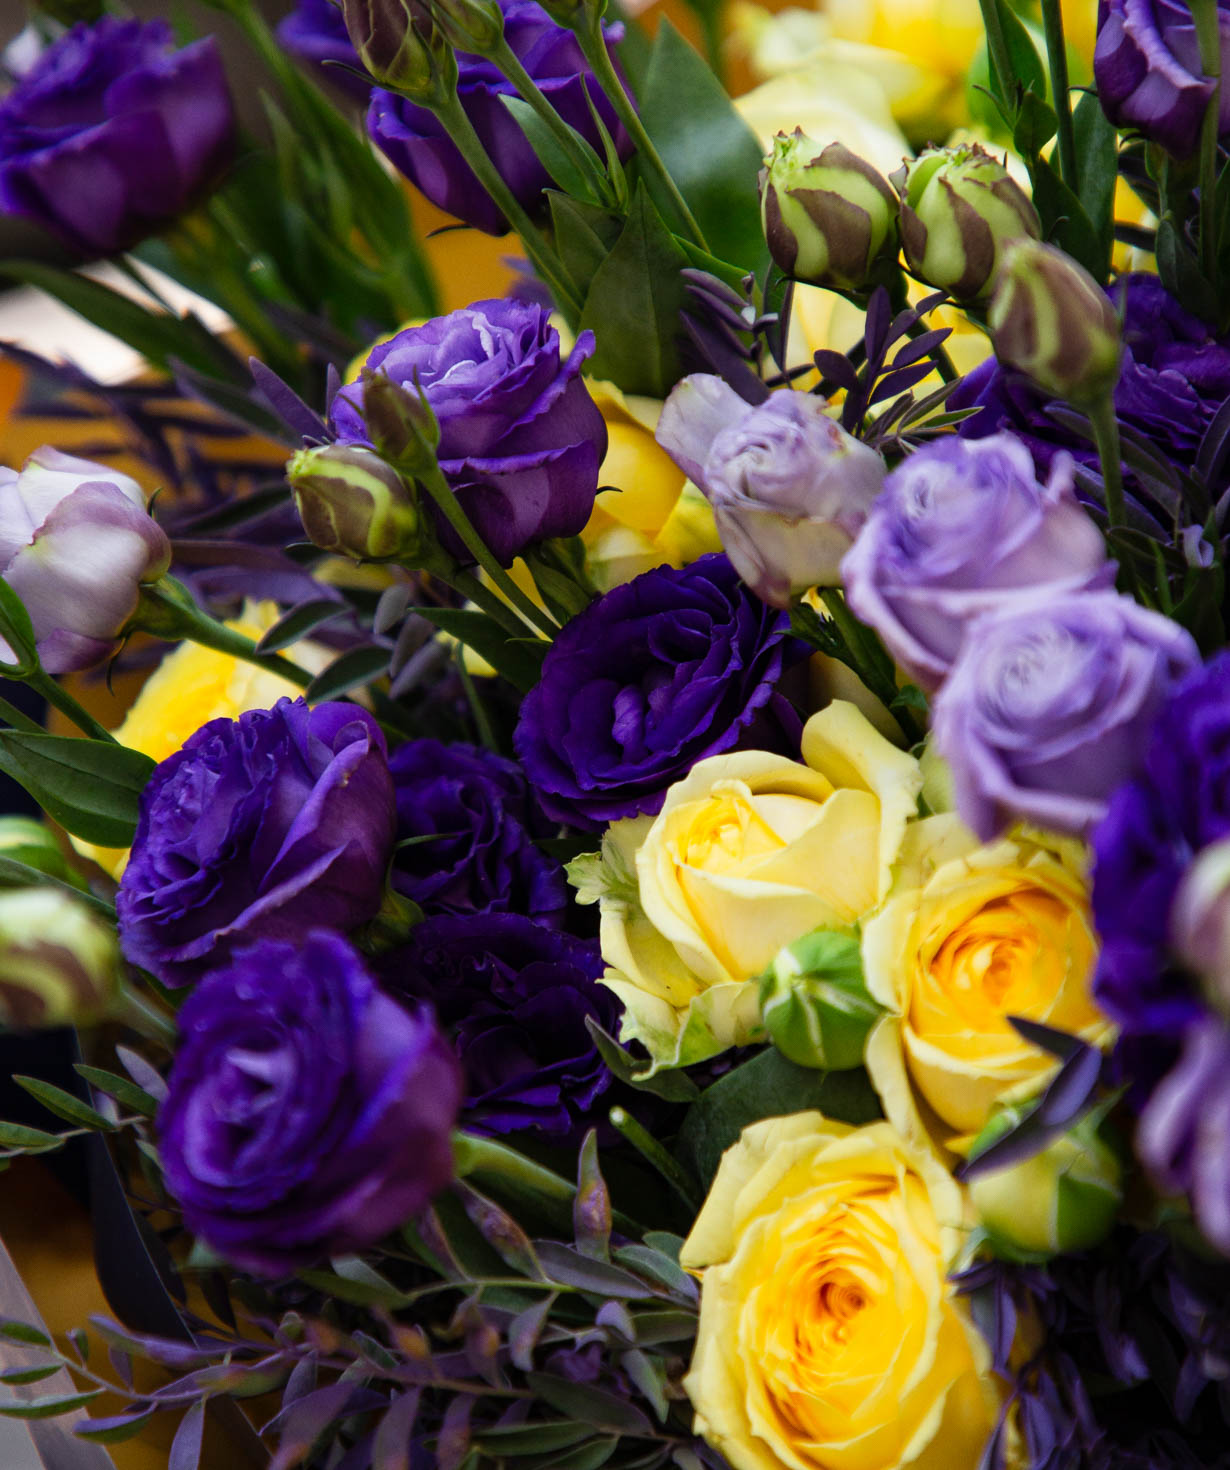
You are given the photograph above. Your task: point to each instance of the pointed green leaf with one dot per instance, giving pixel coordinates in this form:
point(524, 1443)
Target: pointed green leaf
point(355, 667)
point(126, 1093)
point(47, 1408)
point(64, 1104)
point(299, 622)
point(91, 787)
point(519, 660)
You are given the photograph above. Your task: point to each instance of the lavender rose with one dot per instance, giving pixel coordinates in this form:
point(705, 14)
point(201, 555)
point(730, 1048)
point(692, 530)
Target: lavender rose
point(466, 825)
point(515, 997)
point(661, 672)
point(112, 133)
point(790, 489)
point(307, 1113)
point(76, 543)
point(1147, 68)
point(417, 143)
point(257, 828)
point(1047, 707)
point(520, 437)
point(960, 528)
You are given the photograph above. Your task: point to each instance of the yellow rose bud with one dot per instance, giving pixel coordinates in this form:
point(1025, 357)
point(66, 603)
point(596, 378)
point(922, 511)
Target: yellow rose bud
point(59, 964)
point(971, 935)
point(830, 1337)
point(749, 852)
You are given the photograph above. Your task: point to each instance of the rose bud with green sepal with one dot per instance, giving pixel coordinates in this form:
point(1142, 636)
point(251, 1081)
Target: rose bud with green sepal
point(1063, 1198)
point(959, 208)
point(1051, 320)
point(59, 964)
point(814, 1003)
point(352, 502)
point(829, 218)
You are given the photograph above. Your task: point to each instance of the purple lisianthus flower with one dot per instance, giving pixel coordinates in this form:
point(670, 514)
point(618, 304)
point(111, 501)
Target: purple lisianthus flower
point(515, 997)
point(1049, 703)
point(790, 489)
point(315, 32)
point(1177, 807)
point(307, 1113)
point(76, 545)
point(661, 672)
point(466, 824)
point(521, 440)
point(113, 133)
point(418, 144)
point(961, 528)
point(1146, 65)
point(257, 828)
point(1175, 375)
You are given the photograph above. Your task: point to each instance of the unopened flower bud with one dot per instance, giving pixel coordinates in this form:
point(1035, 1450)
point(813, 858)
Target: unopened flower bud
point(1063, 1198)
point(474, 26)
point(1200, 921)
point(59, 964)
point(394, 41)
point(352, 502)
point(814, 1003)
point(1052, 320)
point(25, 840)
point(959, 208)
point(400, 423)
point(829, 217)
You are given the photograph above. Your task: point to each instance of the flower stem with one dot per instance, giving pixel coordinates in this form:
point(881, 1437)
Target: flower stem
point(655, 1155)
point(1106, 437)
point(146, 1019)
point(1057, 56)
point(997, 43)
point(62, 700)
point(1208, 34)
point(588, 31)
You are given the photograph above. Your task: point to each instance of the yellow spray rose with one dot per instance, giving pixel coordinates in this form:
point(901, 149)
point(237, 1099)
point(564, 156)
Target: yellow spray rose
point(749, 852)
point(830, 1337)
point(971, 935)
point(193, 685)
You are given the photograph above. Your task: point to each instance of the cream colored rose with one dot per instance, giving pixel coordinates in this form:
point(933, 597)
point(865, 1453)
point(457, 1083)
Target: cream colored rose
point(830, 1337)
point(749, 852)
point(971, 935)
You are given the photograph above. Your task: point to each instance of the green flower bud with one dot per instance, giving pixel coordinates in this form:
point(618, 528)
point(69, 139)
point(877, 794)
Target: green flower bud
point(59, 964)
point(351, 501)
point(398, 43)
point(959, 207)
point(1052, 320)
point(829, 218)
point(1063, 1198)
point(474, 26)
point(814, 1003)
point(27, 841)
point(401, 423)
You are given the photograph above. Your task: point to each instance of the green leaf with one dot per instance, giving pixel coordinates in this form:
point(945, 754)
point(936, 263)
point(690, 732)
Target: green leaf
point(633, 305)
point(1036, 125)
point(126, 1093)
point(112, 1431)
point(673, 1086)
point(48, 1408)
point(15, 874)
point(355, 667)
point(531, 1439)
point(1064, 220)
point(585, 1457)
point(709, 151)
point(594, 1406)
point(1025, 59)
point(519, 660)
point(29, 1140)
point(1097, 163)
point(29, 1375)
point(91, 787)
point(24, 1332)
point(548, 150)
point(358, 1293)
point(768, 1086)
point(299, 622)
point(16, 628)
point(584, 235)
point(65, 1105)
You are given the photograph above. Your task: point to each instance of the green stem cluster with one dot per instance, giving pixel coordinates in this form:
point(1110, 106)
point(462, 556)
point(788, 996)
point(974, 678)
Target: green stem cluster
point(1205, 18)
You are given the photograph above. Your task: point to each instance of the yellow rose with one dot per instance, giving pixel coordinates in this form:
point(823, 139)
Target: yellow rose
point(971, 935)
point(749, 852)
point(830, 100)
point(829, 1336)
point(193, 685)
point(652, 516)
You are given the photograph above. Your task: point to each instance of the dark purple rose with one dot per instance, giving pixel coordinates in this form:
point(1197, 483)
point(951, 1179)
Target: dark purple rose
point(307, 1113)
point(1154, 827)
point(113, 133)
point(465, 830)
point(315, 32)
point(514, 996)
point(661, 672)
point(1049, 704)
point(1175, 375)
point(257, 828)
point(1146, 65)
point(959, 529)
point(521, 440)
point(417, 143)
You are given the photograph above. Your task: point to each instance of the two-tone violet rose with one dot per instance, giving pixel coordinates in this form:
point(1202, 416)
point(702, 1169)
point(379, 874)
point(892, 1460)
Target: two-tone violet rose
point(307, 1113)
point(520, 437)
point(790, 489)
point(76, 545)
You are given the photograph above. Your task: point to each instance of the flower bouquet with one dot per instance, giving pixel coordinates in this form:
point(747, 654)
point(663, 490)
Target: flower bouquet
point(664, 899)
